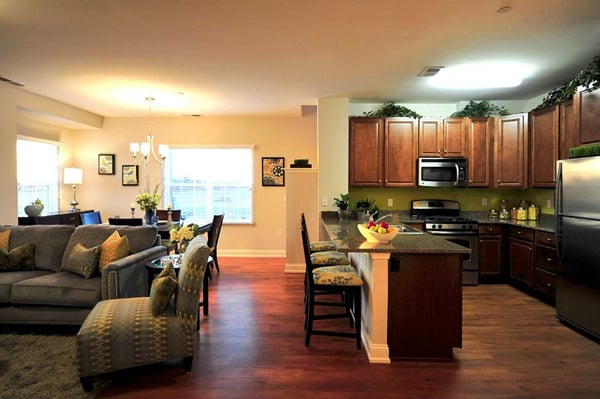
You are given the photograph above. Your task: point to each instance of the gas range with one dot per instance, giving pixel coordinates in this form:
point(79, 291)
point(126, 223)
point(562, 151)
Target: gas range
point(450, 224)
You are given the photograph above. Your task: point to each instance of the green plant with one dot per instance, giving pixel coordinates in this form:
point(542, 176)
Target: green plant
point(483, 108)
point(389, 109)
point(588, 77)
point(343, 202)
point(365, 205)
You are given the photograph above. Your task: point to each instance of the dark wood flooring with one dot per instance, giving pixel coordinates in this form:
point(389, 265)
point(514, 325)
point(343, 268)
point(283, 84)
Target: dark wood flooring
point(252, 346)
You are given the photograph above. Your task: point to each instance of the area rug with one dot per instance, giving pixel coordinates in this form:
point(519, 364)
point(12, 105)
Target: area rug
point(34, 365)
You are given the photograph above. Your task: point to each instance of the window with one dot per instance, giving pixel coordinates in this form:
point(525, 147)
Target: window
point(38, 174)
point(203, 182)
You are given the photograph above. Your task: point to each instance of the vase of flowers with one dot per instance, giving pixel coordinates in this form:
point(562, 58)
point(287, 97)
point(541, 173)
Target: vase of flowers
point(148, 202)
point(182, 235)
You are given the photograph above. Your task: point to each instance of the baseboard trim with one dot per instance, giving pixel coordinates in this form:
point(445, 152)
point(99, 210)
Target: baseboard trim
point(294, 267)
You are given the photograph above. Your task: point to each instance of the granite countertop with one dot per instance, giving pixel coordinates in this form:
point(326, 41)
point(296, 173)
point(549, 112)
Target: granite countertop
point(348, 239)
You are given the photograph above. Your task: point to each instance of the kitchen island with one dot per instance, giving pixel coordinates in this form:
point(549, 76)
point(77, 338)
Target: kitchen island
point(412, 292)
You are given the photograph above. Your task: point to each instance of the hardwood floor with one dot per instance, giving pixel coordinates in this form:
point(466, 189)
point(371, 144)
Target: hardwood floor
point(252, 346)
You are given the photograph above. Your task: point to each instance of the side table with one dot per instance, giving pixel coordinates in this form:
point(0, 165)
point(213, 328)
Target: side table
point(155, 266)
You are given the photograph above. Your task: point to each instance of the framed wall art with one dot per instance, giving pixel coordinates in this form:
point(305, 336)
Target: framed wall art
point(130, 175)
point(106, 164)
point(273, 173)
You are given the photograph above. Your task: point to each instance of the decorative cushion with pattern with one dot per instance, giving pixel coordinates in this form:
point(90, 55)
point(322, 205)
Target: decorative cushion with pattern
point(83, 261)
point(113, 248)
point(5, 240)
point(329, 258)
point(319, 246)
point(336, 275)
point(163, 287)
point(20, 258)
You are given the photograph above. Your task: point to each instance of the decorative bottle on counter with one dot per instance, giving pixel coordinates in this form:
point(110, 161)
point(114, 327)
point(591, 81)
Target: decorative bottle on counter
point(521, 213)
point(533, 213)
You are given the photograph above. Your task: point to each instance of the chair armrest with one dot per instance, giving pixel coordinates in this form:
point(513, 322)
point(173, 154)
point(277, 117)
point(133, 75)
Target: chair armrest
point(127, 277)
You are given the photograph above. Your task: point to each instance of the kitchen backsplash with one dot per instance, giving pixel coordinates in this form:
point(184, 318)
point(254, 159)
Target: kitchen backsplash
point(471, 199)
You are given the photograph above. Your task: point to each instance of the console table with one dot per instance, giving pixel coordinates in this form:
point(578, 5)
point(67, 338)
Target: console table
point(72, 218)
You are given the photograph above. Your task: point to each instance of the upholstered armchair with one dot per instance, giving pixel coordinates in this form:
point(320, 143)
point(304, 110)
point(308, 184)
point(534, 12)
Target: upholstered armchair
point(130, 332)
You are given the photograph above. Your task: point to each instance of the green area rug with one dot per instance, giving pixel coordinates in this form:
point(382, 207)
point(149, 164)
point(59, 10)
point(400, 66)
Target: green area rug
point(39, 365)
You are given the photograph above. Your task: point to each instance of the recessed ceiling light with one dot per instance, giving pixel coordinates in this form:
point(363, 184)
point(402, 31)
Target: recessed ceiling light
point(481, 76)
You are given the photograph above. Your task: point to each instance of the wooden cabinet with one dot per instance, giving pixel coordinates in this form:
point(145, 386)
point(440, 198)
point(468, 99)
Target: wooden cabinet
point(366, 152)
point(520, 255)
point(72, 218)
point(567, 128)
point(587, 107)
point(546, 264)
point(383, 152)
point(491, 252)
point(543, 154)
point(442, 137)
point(479, 139)
point(510, 149)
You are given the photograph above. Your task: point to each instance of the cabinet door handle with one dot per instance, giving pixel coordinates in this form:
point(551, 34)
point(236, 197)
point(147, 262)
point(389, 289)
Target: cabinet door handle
point(549, 260)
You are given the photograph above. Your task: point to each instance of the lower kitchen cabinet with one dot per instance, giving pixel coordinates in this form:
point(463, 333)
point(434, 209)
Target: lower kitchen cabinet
point(546, 265)
point(521, 255)
point(491, 253)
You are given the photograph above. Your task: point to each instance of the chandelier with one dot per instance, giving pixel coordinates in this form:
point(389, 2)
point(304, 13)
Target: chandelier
point(147, 148)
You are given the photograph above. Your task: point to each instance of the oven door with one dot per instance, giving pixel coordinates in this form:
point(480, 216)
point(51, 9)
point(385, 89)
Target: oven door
point(470, 261)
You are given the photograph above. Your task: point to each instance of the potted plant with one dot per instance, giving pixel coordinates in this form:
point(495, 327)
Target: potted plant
point(365, 208)
point(343, 205)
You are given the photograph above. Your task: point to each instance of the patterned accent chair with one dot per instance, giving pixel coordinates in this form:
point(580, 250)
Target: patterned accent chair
point(123, 333)
point(339, 279)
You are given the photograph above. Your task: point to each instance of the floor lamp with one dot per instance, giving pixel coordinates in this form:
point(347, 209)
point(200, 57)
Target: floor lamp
point(73, 176)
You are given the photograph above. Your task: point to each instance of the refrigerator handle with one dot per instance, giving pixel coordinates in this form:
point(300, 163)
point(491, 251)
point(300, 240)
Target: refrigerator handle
point(558, 216)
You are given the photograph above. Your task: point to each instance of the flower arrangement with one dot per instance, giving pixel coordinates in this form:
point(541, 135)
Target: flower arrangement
point(148, 200)
point(183, 235)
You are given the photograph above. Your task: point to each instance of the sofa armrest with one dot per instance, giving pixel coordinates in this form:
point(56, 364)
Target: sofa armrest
point(127, 277)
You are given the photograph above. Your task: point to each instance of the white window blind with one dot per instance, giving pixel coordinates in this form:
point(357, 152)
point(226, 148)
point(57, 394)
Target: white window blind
point(38, 174)
point(203, 182)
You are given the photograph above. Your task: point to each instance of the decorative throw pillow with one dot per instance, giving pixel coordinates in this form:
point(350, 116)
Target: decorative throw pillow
point(20, 258)
point(113, 248)
point(162, 289)
point(4, 240)
point(82, 261)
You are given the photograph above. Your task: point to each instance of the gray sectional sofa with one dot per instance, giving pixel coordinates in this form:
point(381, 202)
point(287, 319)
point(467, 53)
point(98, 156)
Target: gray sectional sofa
point(47, 295)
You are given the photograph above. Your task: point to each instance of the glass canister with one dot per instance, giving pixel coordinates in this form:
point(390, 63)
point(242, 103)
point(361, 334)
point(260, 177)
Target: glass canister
point(493, 215)
point(504, 214)
point(513, 213)
point(533, 212)
point(521, 213)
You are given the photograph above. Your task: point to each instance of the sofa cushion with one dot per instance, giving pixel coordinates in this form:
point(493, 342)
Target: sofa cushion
point(19, 258)
point(49, 240)
point(8, 279)
point(5, 240)
point(58, 289)
point(83, 261)
point(163, 287)
point(113, 248)
point(139, 237)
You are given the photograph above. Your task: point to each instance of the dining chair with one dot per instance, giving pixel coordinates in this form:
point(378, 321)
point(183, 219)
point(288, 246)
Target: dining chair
point(91, 217)
point(318, 246)
point(126, 221)
point(213, 239)
point(340, 279)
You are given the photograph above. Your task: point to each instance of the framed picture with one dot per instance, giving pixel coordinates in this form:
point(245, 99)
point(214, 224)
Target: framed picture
point(273, 173)
point(106, 164)
point(129, 175)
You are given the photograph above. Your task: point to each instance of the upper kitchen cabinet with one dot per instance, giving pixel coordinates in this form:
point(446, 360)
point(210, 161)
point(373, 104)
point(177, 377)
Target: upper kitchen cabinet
point(510, 149)
point(543, 154)
point(442, 137)
point(479, 147)
point(587, 106)
point(365, 159)
point(567, 128)
point(383, 152)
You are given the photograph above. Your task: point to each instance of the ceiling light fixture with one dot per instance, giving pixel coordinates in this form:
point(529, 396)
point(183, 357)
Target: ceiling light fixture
point(147, 147)
point(481, 76)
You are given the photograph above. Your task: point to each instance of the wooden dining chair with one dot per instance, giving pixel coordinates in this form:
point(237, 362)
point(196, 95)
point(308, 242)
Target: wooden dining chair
point(126, 221)
point(213, 239)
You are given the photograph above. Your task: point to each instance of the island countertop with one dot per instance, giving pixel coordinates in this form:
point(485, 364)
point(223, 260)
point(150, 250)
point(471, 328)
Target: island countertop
point(348, 239)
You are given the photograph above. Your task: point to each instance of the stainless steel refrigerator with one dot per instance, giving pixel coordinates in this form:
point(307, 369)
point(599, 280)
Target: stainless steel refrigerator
point(578, 244)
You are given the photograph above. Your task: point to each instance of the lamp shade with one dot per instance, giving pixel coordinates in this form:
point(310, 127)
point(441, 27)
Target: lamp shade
point(73, 176)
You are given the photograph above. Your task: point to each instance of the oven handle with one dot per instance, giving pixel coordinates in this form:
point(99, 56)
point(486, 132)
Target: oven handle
point(453, 233)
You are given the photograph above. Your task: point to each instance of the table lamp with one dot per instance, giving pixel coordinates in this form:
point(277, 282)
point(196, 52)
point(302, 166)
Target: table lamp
point(73, 176)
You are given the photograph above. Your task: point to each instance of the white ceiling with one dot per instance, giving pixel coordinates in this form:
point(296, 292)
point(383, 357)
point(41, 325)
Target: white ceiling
point(270, 57)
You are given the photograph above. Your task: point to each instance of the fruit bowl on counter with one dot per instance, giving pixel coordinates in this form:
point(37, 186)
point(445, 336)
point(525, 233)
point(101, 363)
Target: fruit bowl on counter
point(377, 232)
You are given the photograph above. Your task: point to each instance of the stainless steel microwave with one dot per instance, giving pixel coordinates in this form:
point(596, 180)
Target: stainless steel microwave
point(442, 172)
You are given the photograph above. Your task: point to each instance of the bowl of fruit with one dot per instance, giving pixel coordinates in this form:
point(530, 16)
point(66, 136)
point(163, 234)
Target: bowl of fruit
point(377, 232)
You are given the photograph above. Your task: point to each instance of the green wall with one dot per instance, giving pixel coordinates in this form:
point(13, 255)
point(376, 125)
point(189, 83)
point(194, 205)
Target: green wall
point(470, 198)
